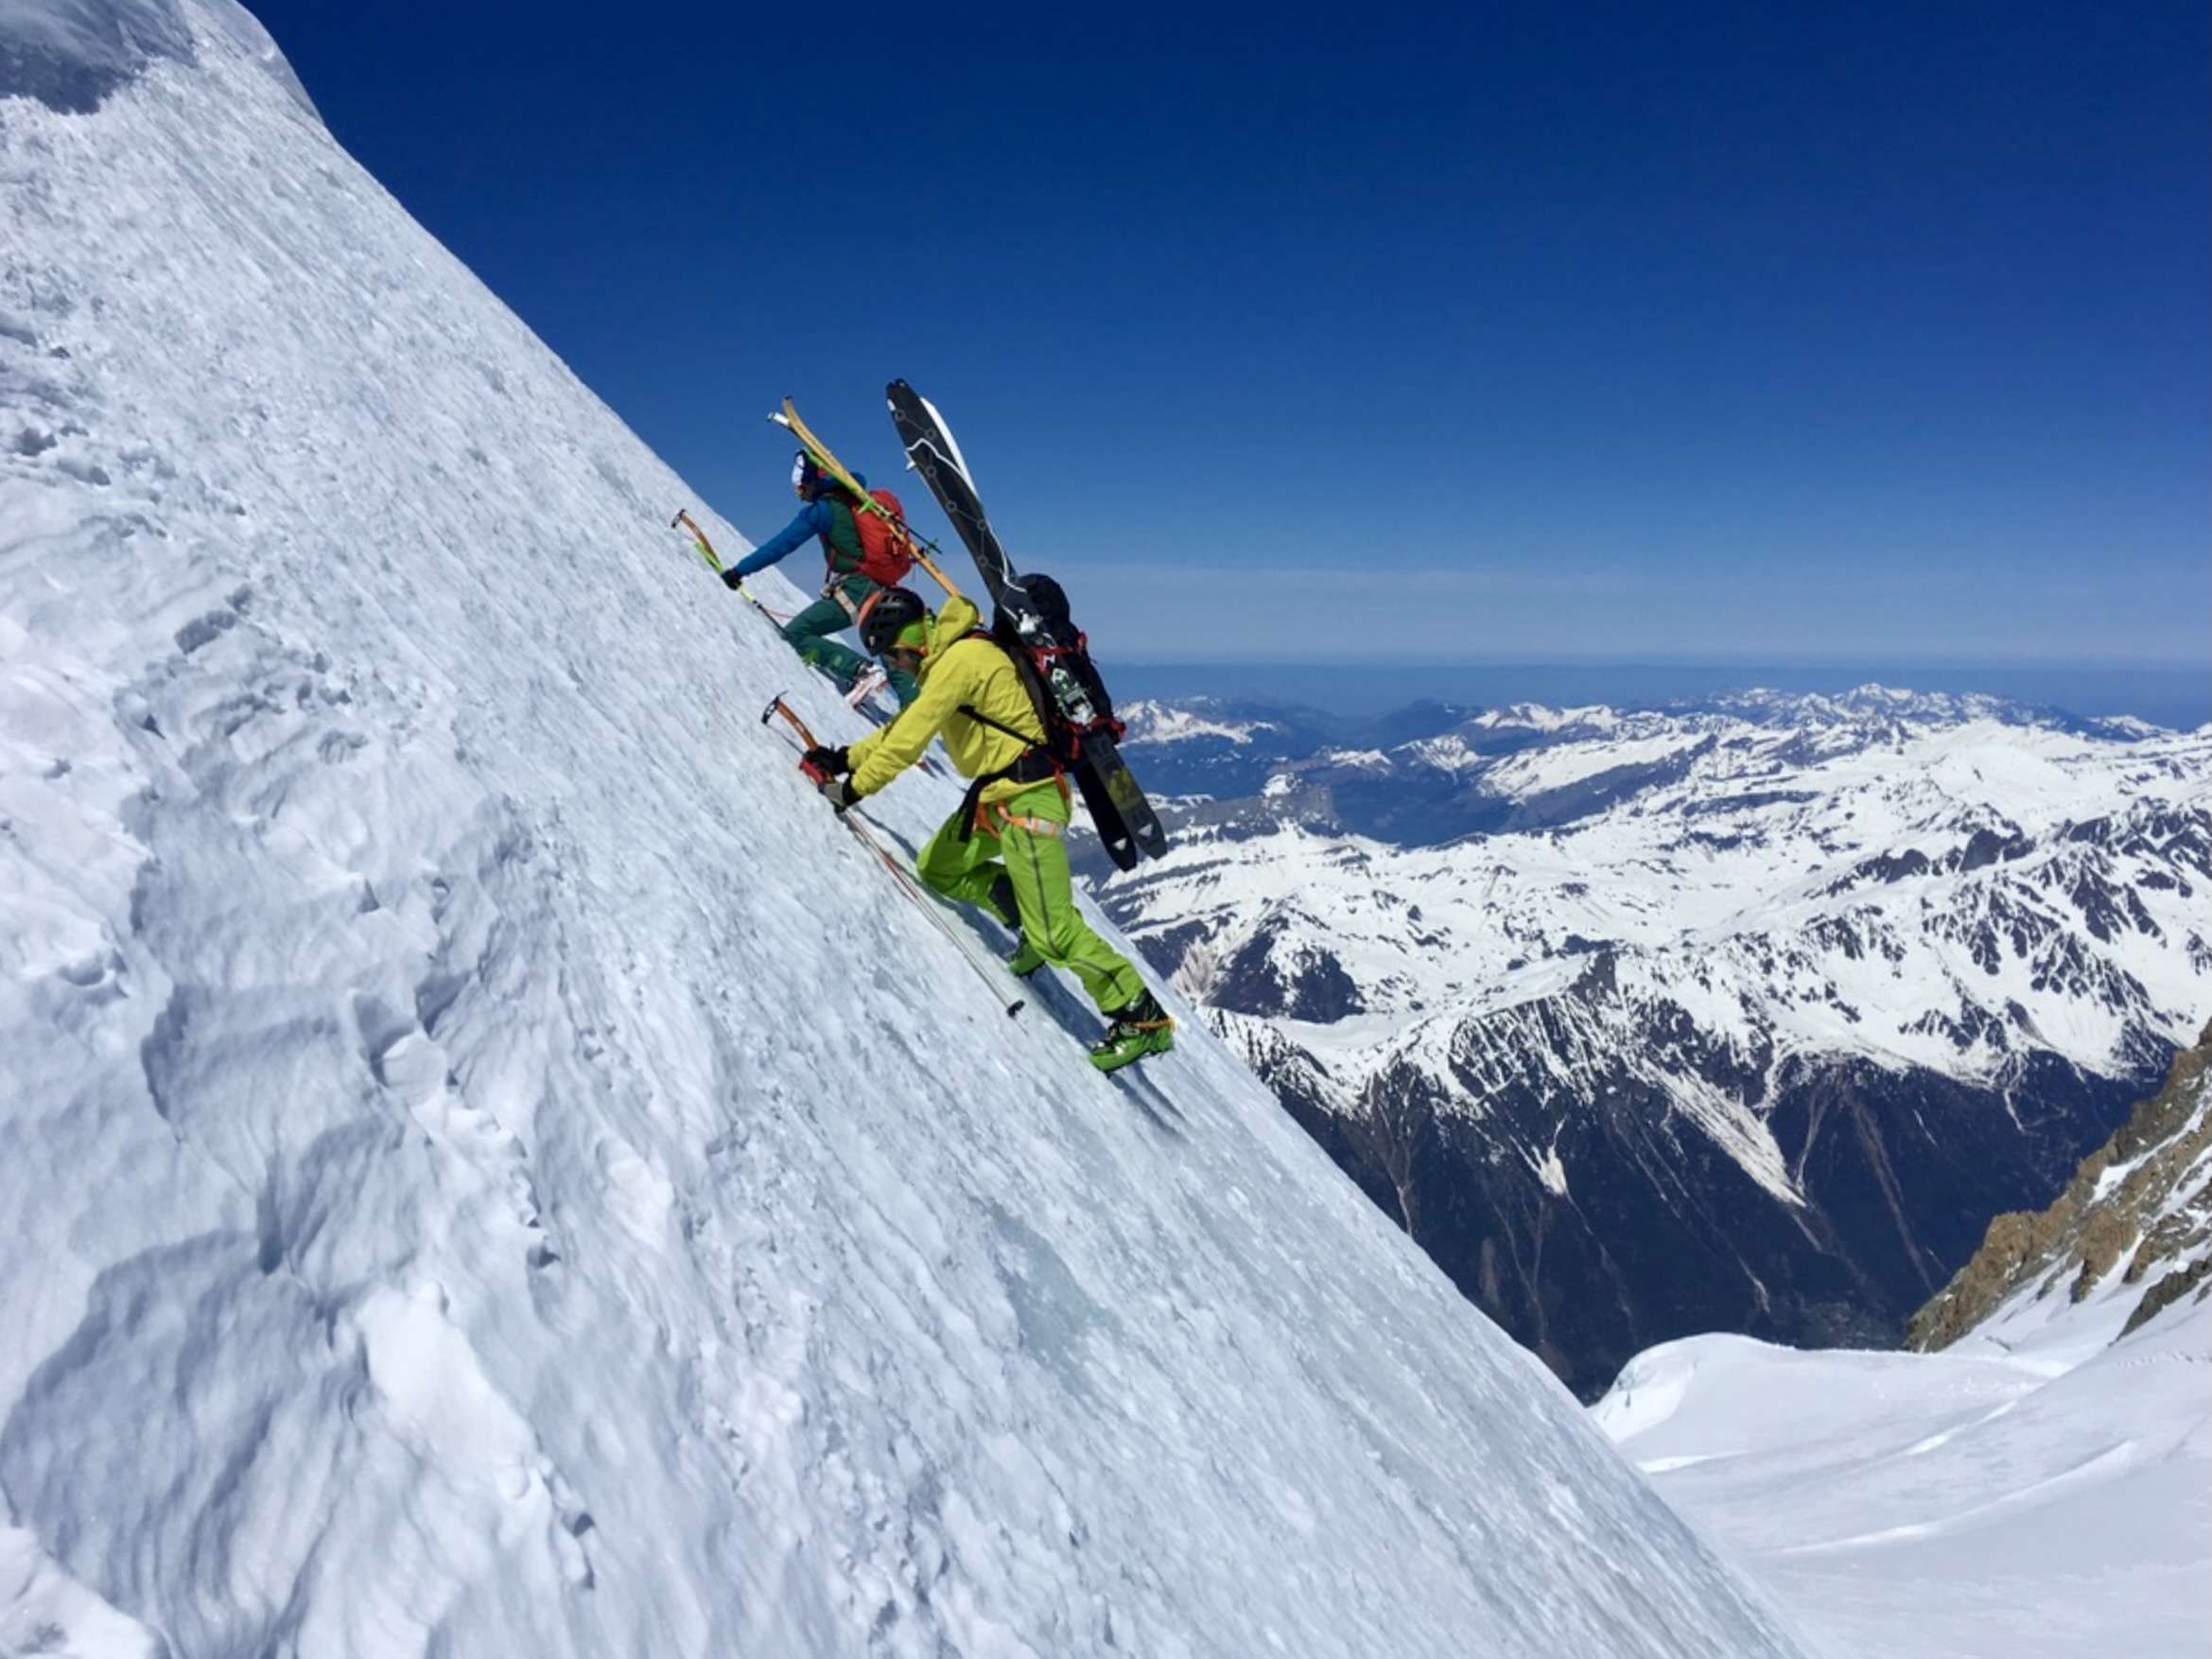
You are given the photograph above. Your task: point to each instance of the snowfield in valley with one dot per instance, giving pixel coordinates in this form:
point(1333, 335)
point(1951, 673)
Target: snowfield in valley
point(2034, 1493)
point(492, 1167)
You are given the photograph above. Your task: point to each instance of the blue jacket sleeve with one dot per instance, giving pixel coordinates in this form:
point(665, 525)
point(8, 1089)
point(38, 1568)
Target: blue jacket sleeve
point(813, 520)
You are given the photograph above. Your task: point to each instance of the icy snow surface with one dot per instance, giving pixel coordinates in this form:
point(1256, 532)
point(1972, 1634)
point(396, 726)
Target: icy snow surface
point(493, 1169)
point(2041, 1500)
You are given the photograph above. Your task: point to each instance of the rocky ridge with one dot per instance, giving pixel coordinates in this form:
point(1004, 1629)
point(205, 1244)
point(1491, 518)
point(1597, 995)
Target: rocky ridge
point(2141, 1203)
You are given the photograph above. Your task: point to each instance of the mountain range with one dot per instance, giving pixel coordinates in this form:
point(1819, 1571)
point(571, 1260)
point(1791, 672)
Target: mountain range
point(1743, 1015)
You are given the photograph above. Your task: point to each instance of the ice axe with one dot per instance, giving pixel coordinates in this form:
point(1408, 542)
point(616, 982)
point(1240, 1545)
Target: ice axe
point(683, 521)
point(991, 973)
point(777, 706)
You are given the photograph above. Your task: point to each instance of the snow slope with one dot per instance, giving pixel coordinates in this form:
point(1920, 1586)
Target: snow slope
point(1963, 1505)
point(493, 1169)
point(2041, 1486)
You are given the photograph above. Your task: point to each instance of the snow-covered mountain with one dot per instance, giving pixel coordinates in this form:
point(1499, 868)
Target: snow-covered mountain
point(2040, 1487)
point(492, 1167)
point(1223, 747)
point(1747, 1016)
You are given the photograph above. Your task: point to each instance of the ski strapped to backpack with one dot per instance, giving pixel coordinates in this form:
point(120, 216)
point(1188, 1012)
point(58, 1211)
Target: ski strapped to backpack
point(886, 548)
point(1032, 624)
point(874, 511)
point(1070, 699)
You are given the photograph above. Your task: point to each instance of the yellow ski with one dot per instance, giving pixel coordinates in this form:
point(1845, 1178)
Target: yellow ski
point(864, 502)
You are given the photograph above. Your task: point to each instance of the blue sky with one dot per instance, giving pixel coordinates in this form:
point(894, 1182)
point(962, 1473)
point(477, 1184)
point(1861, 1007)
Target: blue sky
point(1874, 335)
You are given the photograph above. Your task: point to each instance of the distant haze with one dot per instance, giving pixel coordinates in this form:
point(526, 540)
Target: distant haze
point(2176, 696)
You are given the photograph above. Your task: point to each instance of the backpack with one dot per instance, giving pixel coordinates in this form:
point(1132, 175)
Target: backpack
point(1066, 694)
point(1053, 660)
point(1055, 667)
point(886, 553)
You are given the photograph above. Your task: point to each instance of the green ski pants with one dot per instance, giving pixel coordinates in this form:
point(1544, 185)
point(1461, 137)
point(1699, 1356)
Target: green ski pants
point(809, 634)
point(1037, 862)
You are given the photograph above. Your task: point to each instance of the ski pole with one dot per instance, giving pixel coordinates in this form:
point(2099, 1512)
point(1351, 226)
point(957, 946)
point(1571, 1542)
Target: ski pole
point(706, 551)
point(787, 418)
point(992, 975)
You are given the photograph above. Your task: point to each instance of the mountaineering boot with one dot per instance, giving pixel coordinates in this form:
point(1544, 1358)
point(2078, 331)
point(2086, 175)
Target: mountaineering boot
point(865, 685)
point(1025, 958)
point(1140, 1029)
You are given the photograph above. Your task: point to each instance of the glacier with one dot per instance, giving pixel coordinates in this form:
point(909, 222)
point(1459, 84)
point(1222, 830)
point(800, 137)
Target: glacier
point(492, 1169)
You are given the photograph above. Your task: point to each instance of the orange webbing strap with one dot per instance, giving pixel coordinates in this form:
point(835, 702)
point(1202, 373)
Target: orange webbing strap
point(1008, 819)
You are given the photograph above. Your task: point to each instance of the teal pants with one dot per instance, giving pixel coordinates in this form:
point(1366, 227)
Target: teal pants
point(1036, 859)
point(809, 634)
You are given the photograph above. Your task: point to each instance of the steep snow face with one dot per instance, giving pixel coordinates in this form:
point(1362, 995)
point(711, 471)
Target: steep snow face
point(70, 55)
point(493, 1168)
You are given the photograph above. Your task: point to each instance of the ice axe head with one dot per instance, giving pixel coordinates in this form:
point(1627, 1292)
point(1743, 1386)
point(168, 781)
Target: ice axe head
point(777, 706)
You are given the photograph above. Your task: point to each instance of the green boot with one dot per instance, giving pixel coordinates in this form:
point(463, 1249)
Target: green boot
point(1140, 1029)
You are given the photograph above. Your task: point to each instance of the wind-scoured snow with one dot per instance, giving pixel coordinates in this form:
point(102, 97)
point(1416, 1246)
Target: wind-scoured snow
point(2037, 1499)
point(492, 1167)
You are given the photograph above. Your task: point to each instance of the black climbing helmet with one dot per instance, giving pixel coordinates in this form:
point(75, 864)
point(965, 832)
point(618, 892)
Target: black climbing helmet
point(888, 615)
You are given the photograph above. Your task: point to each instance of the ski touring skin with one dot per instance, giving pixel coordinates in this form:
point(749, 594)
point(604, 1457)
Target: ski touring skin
point(1123, 818)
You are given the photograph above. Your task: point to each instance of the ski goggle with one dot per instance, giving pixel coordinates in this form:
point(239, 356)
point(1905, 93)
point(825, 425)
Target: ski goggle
point(801, 469)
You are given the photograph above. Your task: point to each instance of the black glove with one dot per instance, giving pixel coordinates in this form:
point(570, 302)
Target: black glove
point(833, 762)
point(838, 791)
point(731, 580)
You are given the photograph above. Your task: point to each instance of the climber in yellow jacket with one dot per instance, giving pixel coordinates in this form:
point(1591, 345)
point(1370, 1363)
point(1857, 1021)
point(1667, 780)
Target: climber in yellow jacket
point(1006, 847)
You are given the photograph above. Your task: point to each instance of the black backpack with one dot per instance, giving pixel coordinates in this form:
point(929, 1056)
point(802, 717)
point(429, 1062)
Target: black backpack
point(1053, 660)
point(1070, 699)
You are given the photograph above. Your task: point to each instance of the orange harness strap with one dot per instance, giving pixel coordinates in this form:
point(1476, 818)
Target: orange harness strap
point(1007, 818)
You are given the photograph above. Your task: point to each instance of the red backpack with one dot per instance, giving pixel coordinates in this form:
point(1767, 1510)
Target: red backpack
point(886, 553)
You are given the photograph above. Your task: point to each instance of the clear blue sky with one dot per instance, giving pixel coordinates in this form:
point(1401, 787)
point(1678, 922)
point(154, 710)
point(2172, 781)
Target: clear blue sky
point(1690, 332)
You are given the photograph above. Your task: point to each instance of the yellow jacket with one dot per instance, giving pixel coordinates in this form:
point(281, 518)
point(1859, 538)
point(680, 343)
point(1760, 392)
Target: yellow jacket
point(972, 670)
